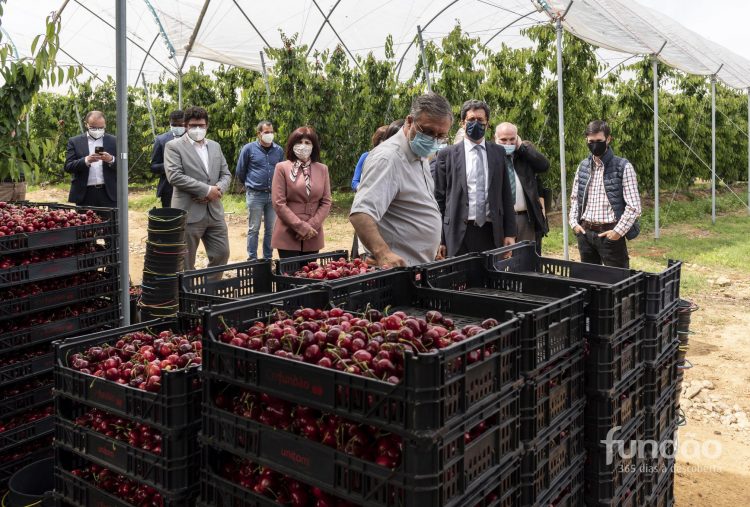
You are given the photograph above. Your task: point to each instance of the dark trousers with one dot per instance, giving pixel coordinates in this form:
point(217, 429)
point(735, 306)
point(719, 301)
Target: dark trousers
point(166, 200)
point(97, 196)
point(285, 254)
point(596, 250)
point(477, 239)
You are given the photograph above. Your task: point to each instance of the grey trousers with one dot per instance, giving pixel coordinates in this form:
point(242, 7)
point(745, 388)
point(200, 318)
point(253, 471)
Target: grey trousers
point(215, 237)
point(527, 232)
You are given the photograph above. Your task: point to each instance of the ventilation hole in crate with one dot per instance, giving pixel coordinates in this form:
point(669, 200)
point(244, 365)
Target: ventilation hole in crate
point(558, 399)
point(627, 358)
point(451, 482)
point(452, 449)
point(481, 460)
point(452, 403)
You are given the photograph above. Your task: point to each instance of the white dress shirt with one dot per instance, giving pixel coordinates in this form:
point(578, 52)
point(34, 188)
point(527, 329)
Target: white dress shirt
point(202, 149)
point(96, 169)
point(470, 155)
point(520, 199)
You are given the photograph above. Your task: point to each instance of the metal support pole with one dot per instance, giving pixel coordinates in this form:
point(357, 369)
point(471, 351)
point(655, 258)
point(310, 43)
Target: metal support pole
point(148, 105)
point(713, 149)
point(425, 67)
point(561, 134)
point(179, 89)
point(121, 83)
point(655, 67)
point(265, 77)
point(748, 151)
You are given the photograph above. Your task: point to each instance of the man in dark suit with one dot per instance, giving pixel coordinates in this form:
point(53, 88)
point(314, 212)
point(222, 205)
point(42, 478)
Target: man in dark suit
point(176, 130)
point(524, 164)
point(92, 160)
point(472, 189)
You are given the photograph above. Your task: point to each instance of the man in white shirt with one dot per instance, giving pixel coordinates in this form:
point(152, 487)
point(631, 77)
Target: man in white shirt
point(92, 160)
point(198, 172)
point(472, 188)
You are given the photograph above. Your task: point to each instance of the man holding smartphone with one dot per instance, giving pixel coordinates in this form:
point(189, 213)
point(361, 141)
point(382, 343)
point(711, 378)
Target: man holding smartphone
point(91, 159)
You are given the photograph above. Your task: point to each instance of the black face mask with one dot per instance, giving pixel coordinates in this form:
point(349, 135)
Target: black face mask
point(597, 148)
point(475, 130)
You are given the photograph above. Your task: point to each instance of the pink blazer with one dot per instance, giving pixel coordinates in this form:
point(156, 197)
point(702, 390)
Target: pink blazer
point(293, 207)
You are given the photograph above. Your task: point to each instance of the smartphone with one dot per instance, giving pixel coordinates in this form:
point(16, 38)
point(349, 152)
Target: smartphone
point(98, 149)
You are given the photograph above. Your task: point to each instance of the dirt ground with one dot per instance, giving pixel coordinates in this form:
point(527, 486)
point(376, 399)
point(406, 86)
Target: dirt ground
point(719, 351)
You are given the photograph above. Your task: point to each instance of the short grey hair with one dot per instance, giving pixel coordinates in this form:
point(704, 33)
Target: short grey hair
point(93, 114)
point(431, 104)
point(473, 104)
point(263, 123)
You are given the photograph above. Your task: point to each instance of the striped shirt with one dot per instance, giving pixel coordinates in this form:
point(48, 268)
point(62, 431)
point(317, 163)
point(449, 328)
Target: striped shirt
point(598, 210)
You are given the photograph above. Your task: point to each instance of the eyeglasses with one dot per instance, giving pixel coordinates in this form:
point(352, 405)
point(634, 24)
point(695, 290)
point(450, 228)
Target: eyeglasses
point(440, 138)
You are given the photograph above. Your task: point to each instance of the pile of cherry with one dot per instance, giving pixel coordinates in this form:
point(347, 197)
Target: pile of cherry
point(19, 452)
point(35, 289)
point(24, 355)
point(333, 270)
point(139, 358)
point(120, 486)
point(18, 219)
point(45, 317)
point(19, 388)
point(27, 417)
point(283, 489)
point(49, 254)
point(372, 345)
point(138, 435)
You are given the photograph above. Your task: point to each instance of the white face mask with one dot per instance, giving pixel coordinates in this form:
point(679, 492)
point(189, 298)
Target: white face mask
point(267, 137)
point(302, 151)
point(96, 133)
point(197, 134)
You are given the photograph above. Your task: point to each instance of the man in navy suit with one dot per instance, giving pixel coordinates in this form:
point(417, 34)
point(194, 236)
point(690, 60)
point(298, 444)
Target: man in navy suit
point(472, 189)
point(92, 160)
point(176, 130)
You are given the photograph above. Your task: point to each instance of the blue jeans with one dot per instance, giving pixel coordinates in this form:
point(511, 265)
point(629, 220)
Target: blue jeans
point(259, 208)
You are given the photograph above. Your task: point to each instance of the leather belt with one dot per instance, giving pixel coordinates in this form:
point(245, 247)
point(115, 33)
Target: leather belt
point(472, 222)
point(598, 227)
point(522, 212)
point(95, 186)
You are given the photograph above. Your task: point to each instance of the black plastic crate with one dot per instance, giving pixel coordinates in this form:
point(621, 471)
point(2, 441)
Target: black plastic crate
point(631, 494)
point(26, 432)
point(551, 395)
point(73, 325)
point(429, 474)
point(616, 297)
point(174, 407)
point(610, 470)
point(61, 237)
point(661, 418)
point(547, 461)
point(78, 492)
point(659, 461)
point(17, 306)
point(568, 490)
point(548, 332)
point(27, 398)
point(191, 303)
point(660, 376)
point(178, 471)
point(661, 332)
point(499, 489)
point(287, 267)
point(623, 408)
point(663, 289)
point(60, 267)
point(610, 362)
point(25, 368)
point(663, 495)
point(9, 467)
point(437, 389)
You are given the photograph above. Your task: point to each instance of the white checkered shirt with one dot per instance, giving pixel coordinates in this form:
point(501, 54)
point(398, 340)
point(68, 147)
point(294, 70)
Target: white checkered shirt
point(598, 210)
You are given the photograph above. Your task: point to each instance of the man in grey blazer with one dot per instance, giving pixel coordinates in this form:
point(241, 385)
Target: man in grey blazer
point(198, 172)
point(472, 189)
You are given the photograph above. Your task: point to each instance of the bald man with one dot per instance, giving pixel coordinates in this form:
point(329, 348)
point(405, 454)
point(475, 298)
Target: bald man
point(91, 159)
point(524, 164)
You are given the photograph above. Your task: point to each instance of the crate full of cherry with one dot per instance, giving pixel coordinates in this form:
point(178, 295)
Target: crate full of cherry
point(426, 362)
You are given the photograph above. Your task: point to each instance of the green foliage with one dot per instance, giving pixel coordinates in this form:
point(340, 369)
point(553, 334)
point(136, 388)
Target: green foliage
point(346, 101)
point(22, 79)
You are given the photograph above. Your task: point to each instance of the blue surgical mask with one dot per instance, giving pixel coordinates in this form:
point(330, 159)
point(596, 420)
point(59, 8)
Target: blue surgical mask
point(423, 145)
point(509, 148)
point(177, 131)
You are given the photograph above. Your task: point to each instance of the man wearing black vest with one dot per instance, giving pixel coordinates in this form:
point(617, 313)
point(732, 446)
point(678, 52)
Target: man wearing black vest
point(604, 202)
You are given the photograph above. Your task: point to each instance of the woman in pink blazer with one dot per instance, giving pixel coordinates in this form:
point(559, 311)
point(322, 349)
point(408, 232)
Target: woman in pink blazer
point(301, 196)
